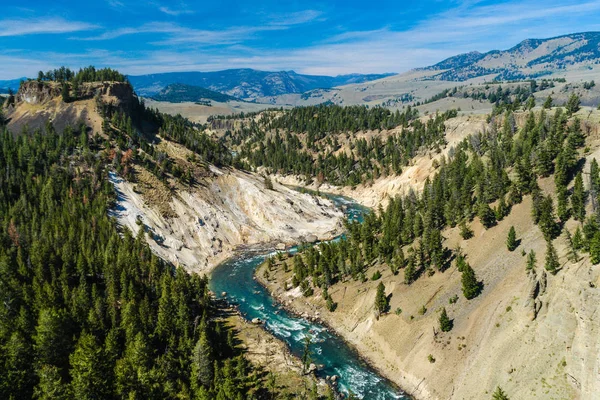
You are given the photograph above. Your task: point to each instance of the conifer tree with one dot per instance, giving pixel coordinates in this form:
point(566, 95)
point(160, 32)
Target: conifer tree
point(87, 372)
point(577, 239)
point(595, 248)
point(486, 215)
point(381, 301)
point(530, 103)
point(306, 354)
point(470, 285)
point(572, 254)
point(65, 92)
point(562, 209)
point(499, 394)
point(202, 363)
point(531, 261)
point(445, 322)
point(465, 231)
point(511, 240)
point(573, 104)
point(51, 385)
point(552, 263)
point(548, 102)
point(410, 272)
point(578, 198)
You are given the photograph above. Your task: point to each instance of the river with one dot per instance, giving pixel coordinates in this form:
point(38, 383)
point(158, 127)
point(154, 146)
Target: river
point(235, 277)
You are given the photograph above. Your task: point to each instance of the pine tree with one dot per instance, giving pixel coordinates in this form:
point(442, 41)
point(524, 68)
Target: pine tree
point(578, 198)
point(499, 394)
point(470, 285)
point(52, 342)
point(572, 254)
point(577, 239)
point(562, 209)
point(531, 261)
point(530, 103)
point(552, 263)
point(486, 215)
point(65, 92)
point(548, 102)
point(381, 301)
point(595, 248)
point(445, 322)
point(89, 377)
point(202, 363)
point(306, 356)
point(465, 231)
point(573, 104)
point(511, 240)
point(51, 385)
point(410, 272)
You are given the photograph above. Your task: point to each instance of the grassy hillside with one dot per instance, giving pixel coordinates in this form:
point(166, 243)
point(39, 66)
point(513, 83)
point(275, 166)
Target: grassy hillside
point(520, 316)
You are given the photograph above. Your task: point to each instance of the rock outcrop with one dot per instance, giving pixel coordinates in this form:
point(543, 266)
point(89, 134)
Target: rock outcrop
point(37, 103)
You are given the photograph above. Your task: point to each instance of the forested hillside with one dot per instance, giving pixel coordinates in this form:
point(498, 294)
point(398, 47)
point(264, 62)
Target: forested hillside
point(88, 311)
point(492, 261)
point(320, 141)
point(476, 175)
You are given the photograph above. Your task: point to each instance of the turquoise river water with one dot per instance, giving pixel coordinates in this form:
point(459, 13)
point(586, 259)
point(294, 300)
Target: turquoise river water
point(235, 278)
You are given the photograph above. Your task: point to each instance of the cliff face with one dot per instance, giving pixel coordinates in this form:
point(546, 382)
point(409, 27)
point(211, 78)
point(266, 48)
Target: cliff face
point(37, 103)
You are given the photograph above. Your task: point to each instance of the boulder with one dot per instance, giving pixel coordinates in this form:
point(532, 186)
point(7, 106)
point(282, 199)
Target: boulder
point(311, 238)
point(257, 321)
point(280, 246)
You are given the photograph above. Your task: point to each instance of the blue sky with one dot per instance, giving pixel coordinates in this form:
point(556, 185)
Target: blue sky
point(313, 37)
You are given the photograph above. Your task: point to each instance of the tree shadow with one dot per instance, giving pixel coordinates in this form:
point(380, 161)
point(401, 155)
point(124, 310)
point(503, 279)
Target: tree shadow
point(388, 299)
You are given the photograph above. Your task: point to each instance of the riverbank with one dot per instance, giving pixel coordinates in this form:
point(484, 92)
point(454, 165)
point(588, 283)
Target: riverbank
point(496, 339)
point(315, 310)
point(270, 356)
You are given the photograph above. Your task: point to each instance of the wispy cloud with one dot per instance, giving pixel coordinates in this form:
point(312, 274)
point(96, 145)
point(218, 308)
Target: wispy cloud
point(295, 18)
point(174, 12)
point(181, 35)
point(20, 27)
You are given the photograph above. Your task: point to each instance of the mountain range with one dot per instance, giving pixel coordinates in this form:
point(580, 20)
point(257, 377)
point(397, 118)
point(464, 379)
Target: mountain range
point(246, 83)
point(532, 58)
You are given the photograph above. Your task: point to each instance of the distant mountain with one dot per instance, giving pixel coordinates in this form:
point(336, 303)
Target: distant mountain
point(532, 58)
point(179, 92)
point(11, 84)
point(246, 83)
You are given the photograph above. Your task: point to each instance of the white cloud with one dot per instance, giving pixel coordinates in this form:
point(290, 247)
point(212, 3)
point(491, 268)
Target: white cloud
point(295, 18)
point(174, 12)
point(20, 27)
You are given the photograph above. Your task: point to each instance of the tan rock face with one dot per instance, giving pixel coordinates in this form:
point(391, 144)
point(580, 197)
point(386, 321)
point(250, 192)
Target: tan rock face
point(34, 92)
point(231, 209)
point(37, 103)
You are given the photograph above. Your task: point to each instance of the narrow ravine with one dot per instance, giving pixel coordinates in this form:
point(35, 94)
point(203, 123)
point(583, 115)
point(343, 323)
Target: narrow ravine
point(235, 278)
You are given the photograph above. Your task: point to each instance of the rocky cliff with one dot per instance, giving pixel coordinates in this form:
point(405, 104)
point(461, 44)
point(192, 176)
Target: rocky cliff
point(37, 103)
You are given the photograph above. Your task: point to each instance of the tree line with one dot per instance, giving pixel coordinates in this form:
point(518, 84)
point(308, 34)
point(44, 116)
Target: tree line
point(87, 74)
